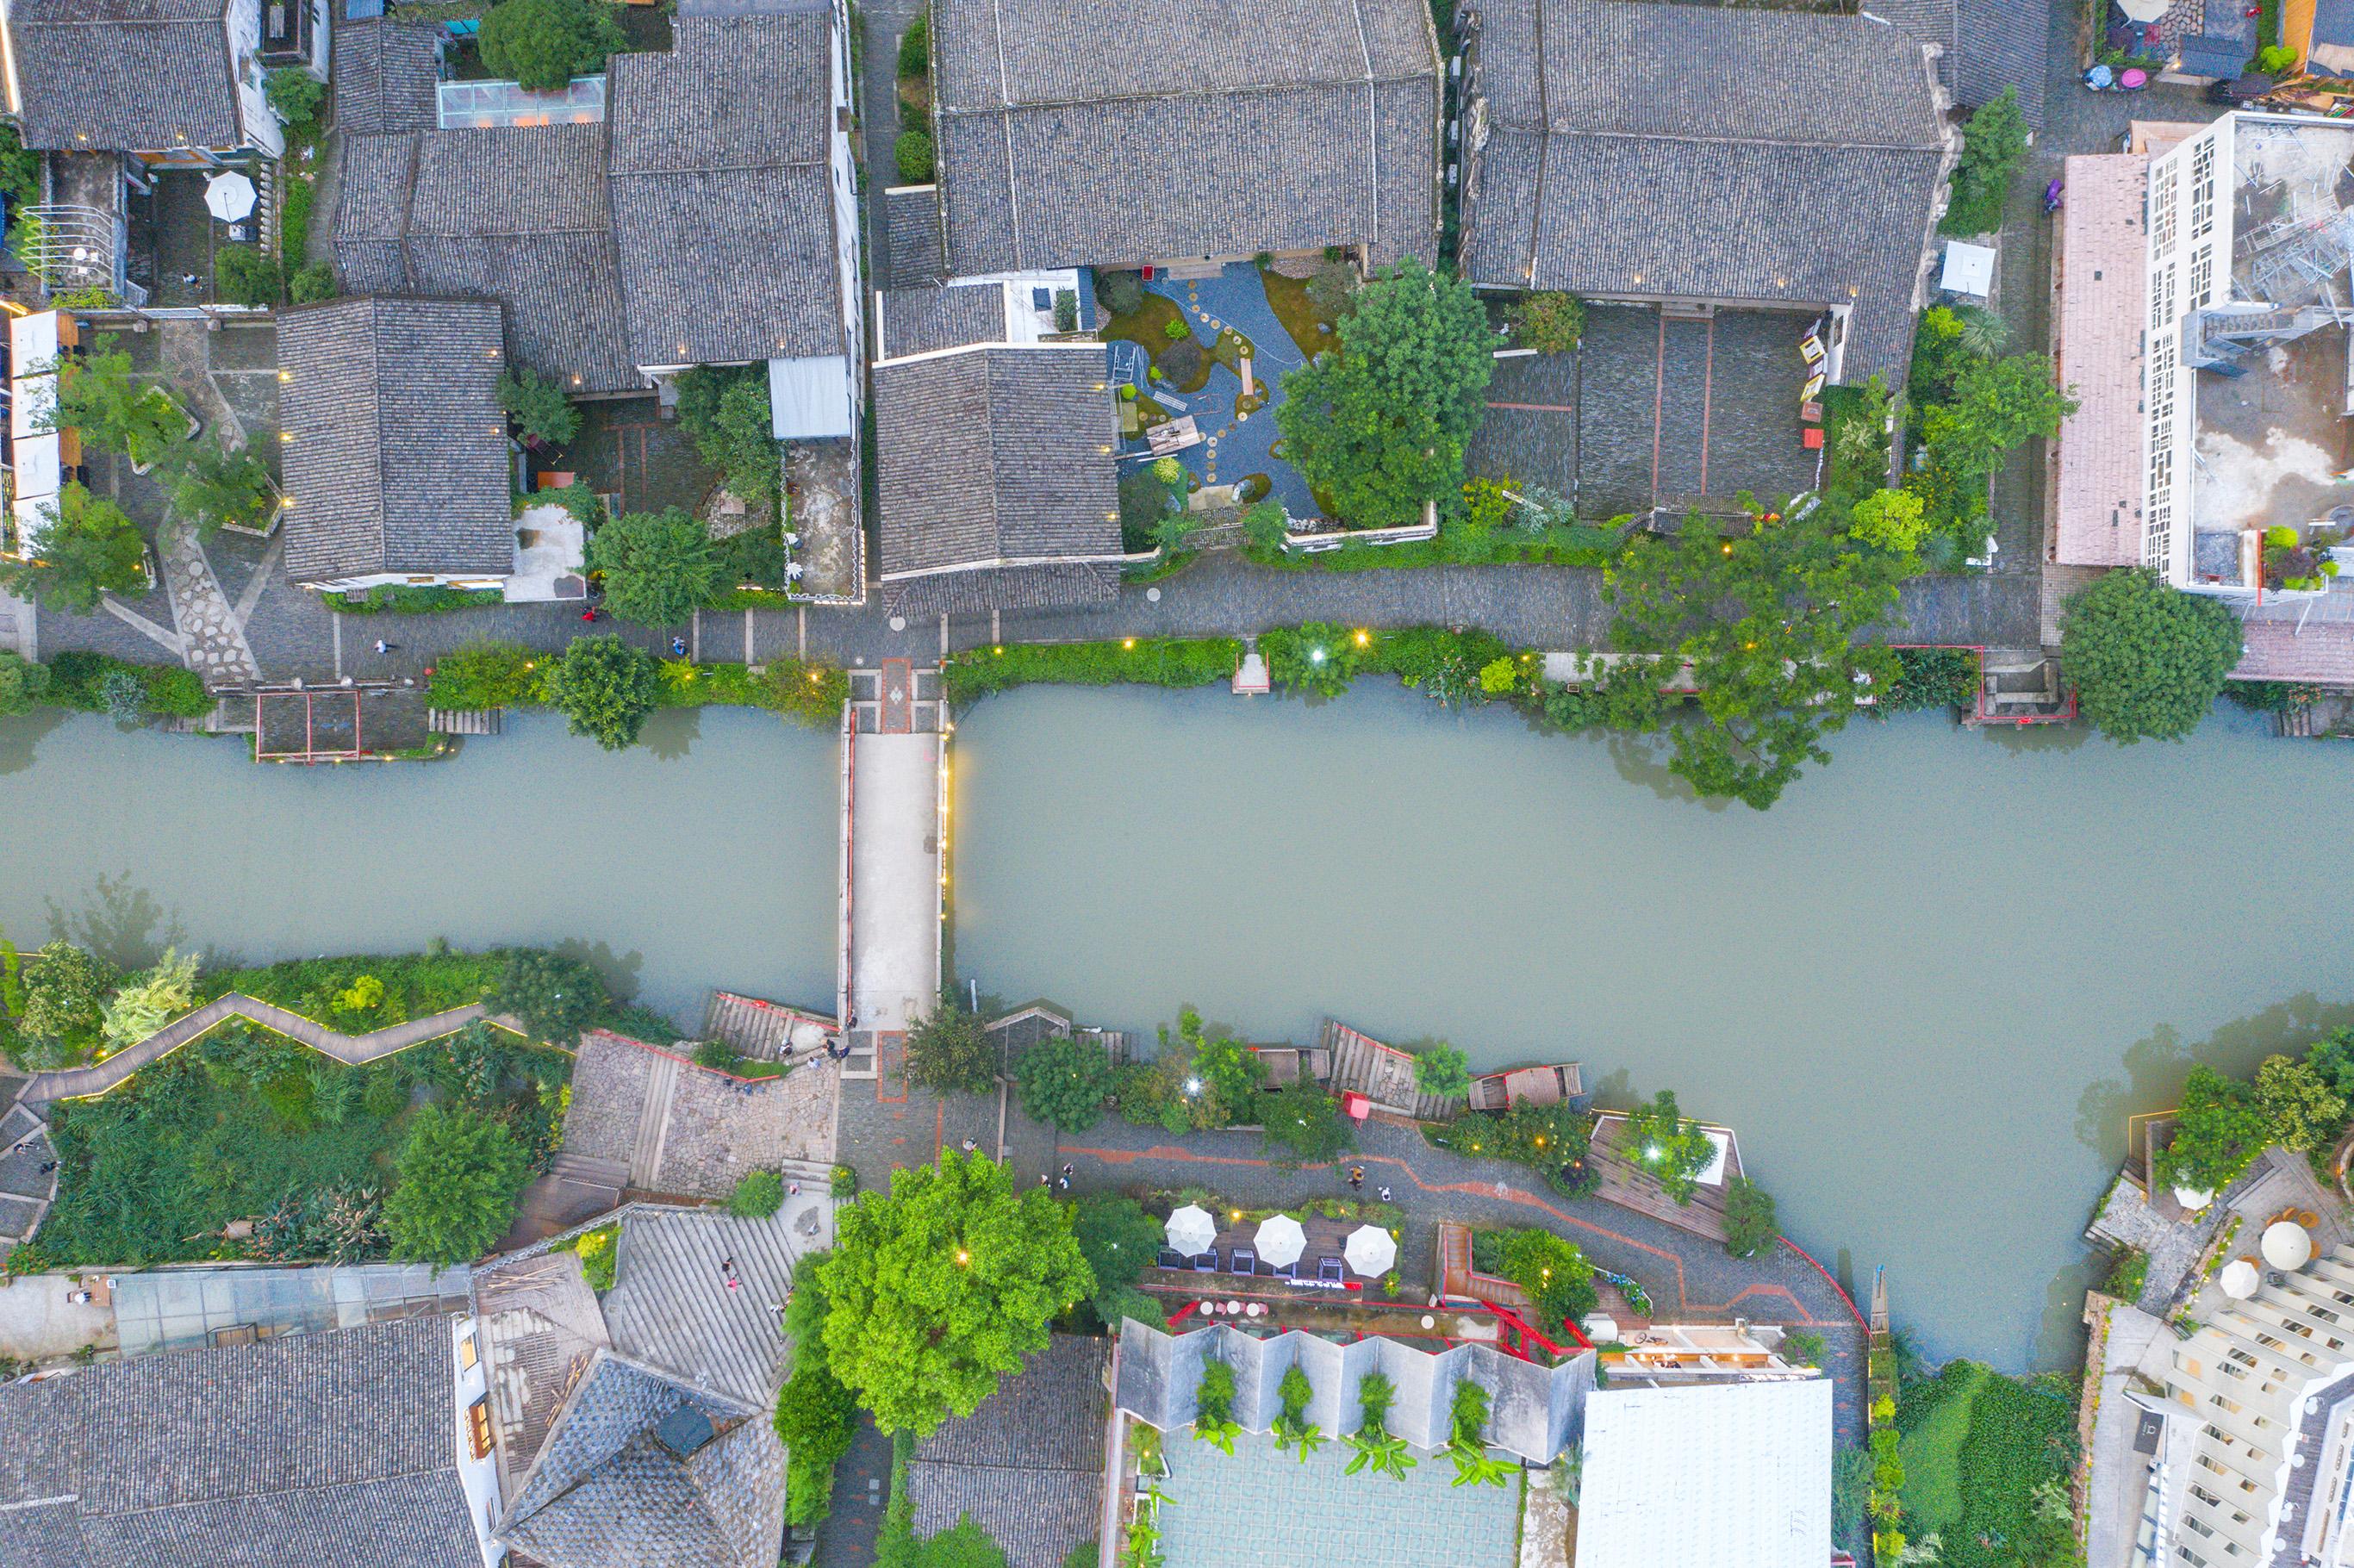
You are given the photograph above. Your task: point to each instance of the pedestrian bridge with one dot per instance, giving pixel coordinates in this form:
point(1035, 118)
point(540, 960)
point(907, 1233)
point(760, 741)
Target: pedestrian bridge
point(894, 858)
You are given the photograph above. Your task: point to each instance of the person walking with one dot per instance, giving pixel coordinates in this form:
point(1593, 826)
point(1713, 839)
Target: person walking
point(1356, 1177)
point(1385, 1194)
point(1062, 1183)
point(383, 647)
point(1066, 1172)
point(727, 1272)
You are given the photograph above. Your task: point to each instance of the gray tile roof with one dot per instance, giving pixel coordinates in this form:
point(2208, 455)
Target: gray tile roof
point(605, 1493)
point(723, 201)
point(337, 1449)
point(1989, 46)
point(397, 456)
point(386, 74)
point(995, 457)
point(696, 225)
point(518, 214)
point(918, 320)
point(1257, 126)
point(1027, 1465)
point(125, 75)
point(912, 215)
point(541, 1328)
point(1707, 161)
point(670, 1305)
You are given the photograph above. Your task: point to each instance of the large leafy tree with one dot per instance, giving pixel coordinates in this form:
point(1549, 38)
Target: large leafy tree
point(2220, 1127)
point(459, 1173)
point(213, 487)
point(2147, 659)
point(539, 406)
point(1380, 426)
point(550, 995)
point(658, 565)
point(952, 1053)
point(1554, 1275)
point(2303, 1110)
point(1118, 1240)
point(605, 687)
point(1063, 1082)
point(115, 408)
point(544, 43)
point(1749, 1227)
point(1667, 1145)
point(86, 548)
point(941, 1286)
point(727, 414)
point(1773, 624)
point(817, 1417)
point(65, 998)
point(1995, 404)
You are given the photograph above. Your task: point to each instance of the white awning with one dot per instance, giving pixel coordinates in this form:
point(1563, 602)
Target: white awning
point(32, 523)
point(808, 400)
point(1970, 269)
point(32, 343)
point(32, 402)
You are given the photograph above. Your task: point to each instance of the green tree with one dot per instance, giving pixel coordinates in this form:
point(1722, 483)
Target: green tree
point(1774, 625)
point(1889, 520)
point(247, 275)
point(727, 413)
point(1554, 1275)
point(211, 487)
point(658, 565)
point(23, 683)
point(460, 1174)
point(2220, 1127)
point(604, 686)
point(149, 1001)
point(1993, 142)
point(951, 1051)
point(1668, 1146)
point(817, 1417)
point(294, 93)
point(1063, 1082)
point(1119, 1241)
point(1302, 1125)
point(1548, 323)
point(1995, 404)
point(2147, 659)
point(114, 407)
point(758, 1194)
point(65, 998)
point(311, 284)
point(1442, 1071)
point(2303, 1110)
point(539, 406)
point(555, 998)
point(542, 44)
point(1749, 1227)
point(1381, 425)
point(86, 548)
point(912, 153)
point(941, 1286)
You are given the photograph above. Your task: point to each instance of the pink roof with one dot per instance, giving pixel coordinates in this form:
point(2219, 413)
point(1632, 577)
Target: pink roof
point(2320, 655)
point(2101, 290)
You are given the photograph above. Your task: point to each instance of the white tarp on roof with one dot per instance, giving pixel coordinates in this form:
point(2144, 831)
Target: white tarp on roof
point(1970, 269)
point(808, 400)
point(1713, 1473)
point(32, 514)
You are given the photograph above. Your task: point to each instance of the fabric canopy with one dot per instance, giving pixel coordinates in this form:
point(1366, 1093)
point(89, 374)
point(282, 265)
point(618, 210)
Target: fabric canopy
point(1281, 1240)
point(1370, 1250)
point(1191, 1230)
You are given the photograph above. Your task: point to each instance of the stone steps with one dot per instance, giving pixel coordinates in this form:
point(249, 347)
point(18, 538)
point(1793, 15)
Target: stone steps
point(752, 1027)
point(455, 721)
point(654, 1119)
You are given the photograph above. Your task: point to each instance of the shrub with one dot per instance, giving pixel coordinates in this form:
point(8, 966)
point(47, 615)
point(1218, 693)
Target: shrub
point(1748, 1218)
point(1993, 142)
point(542, 44)
point(24, 683)
point(1441, 1070)
point(757, 1195)
point(311, 284)
point(912, 155)
point(486, 675)
point(539, 406)
point(294, 224)
point(553, 997)
point(1302, 1125)
point(1175, 328)
point(844, 1181)
point(1066, 309)
point(65, 998)
point(1548, 323)
point(1063, 1082)
point(604, 687)
point(718, 1055)
point(1554, 1274)
point(460, 1174)
point(1121, 292)
point(1667, 1146)
point(599, 1259)
point(916, 46)
point(1142, 661)
point(2128, 1275)
point(2276, 59)
point(1933, 678)
point(294, 95)
point(149, 1001)
point(247, 275)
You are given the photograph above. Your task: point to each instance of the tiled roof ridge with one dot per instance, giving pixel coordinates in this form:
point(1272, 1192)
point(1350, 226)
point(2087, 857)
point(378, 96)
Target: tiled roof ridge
point(1179, 95)
point(1735, 139)
point(1022, 1470)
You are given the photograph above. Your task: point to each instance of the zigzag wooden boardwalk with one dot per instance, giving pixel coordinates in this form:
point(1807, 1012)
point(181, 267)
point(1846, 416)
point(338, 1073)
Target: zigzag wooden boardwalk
point(353, 1050)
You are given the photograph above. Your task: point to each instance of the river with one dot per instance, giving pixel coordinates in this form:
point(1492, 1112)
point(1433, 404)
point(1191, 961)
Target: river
point(1927, 988)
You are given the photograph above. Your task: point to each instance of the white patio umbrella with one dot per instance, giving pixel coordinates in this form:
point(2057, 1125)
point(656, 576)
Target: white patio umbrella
point(1371, 1250)
point(2144, 10)
point(1191, 1230)
point(2285, 1244)
point(1281, 1240)
point(229, 196)
point(2238, 1279)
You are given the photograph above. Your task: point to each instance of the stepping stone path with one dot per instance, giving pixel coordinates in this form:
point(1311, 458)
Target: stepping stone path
point(216, 646)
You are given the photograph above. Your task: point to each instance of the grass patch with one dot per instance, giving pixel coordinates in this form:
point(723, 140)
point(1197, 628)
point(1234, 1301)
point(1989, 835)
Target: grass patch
point(398, 600)
point(1139, 661)
point(1147, 326)
point(1931, 1452)
point(1287, 298)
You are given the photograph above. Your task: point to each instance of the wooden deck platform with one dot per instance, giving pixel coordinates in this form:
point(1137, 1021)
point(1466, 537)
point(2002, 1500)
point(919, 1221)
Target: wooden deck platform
point(1383, 1074)
point(1625, 1183)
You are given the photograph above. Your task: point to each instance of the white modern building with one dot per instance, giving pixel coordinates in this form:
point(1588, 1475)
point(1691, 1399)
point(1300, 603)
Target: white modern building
point(2253, 1449)
point(1727, 1472)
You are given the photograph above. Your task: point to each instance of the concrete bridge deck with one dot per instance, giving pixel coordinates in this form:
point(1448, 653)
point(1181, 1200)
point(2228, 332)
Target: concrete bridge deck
point(895, 856)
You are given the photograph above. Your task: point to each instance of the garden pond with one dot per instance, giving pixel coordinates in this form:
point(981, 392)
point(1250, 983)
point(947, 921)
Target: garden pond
point(1927, 987)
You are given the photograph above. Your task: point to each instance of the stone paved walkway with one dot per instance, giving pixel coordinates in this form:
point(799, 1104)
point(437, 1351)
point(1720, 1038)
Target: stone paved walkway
point(211, 631)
